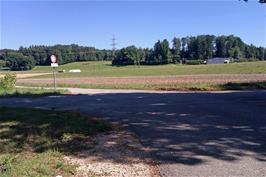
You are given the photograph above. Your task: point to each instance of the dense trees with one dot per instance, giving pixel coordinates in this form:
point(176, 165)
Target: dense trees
point(22, 59)
point(17, 61)
point(261, 1)
point(161, 53)
point(200, 48)
point(192, 48)
point(220, 46)
point(127, 56)
point(176, 49)
point(65, 53)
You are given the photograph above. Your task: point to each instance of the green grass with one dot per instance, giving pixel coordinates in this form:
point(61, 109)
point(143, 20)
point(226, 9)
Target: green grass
point(90, 69)
point(48, 164)
point(169, 86)
point(33, 141)
point(29, 92)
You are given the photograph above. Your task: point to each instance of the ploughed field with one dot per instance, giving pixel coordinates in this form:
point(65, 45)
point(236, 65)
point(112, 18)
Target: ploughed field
point(215, 78)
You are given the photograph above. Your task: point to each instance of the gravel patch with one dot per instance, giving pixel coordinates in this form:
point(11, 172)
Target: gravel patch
point(116, 154)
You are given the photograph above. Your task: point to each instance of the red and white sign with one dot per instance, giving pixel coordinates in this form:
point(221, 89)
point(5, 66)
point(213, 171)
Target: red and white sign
point(54, 65)
point(53, 58)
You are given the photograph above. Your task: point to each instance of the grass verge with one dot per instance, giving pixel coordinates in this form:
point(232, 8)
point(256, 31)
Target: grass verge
point(33, 142)
point(45, 164)
point(169, 86)
point(29, 92)
point(244, 86)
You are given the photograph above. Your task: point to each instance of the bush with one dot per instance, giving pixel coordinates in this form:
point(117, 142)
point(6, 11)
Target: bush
point(245, 60)
point(6, 162)
point(194, 62)
point(253, 59)
point(121, 62)
point(2, 64)
point(8, 82)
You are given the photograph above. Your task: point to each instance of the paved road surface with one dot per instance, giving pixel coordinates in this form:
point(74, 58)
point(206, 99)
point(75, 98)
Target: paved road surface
point(189, 134)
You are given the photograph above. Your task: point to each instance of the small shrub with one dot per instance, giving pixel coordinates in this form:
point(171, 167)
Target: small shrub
point(6, 163)
point(2, 63)
point(194, 62)
point(240, 60)
point(253, 59)
point(246, 60)
point(8, 82)
point(66, 137)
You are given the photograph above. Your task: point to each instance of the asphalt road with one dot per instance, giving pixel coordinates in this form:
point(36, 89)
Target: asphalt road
point(189, 134)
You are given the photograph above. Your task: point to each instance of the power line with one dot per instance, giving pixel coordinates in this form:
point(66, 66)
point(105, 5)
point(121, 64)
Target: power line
point(114, 44)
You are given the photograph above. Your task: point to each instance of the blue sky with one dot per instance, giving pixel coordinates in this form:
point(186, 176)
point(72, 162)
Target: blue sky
point(92, 23)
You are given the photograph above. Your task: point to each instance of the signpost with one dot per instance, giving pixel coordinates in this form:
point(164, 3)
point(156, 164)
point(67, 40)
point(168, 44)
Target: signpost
point(54, 65)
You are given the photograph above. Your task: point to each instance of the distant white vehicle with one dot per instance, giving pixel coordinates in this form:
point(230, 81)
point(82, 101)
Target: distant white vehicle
point(75, 71)
point(226, 61)
point(205, 62)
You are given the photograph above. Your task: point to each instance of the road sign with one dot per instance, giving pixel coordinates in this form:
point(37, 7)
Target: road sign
point(53, 58)
point(54, 65)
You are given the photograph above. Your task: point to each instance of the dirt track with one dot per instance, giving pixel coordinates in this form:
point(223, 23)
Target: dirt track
point(221, 78)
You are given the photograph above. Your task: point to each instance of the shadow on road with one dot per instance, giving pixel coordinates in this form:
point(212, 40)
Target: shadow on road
point(183, 128)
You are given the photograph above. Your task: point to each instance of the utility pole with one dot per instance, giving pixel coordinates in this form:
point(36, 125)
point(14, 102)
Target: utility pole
point(113, 46)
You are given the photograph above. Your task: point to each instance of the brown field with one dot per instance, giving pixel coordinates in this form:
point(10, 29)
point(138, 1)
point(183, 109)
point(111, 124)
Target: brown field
point(215, 78)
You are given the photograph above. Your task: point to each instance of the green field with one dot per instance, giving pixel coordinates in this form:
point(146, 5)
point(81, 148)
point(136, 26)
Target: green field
point(92, 69)
point(34, 142)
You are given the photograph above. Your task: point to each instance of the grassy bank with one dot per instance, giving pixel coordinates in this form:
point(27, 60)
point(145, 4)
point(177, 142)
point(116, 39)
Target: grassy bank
point(106, 69)
point(169, 86)
point(34, 142)
point(28, 92)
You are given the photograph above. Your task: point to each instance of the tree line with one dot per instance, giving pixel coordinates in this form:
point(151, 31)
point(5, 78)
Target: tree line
point(191, 49)
point(26, 58)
